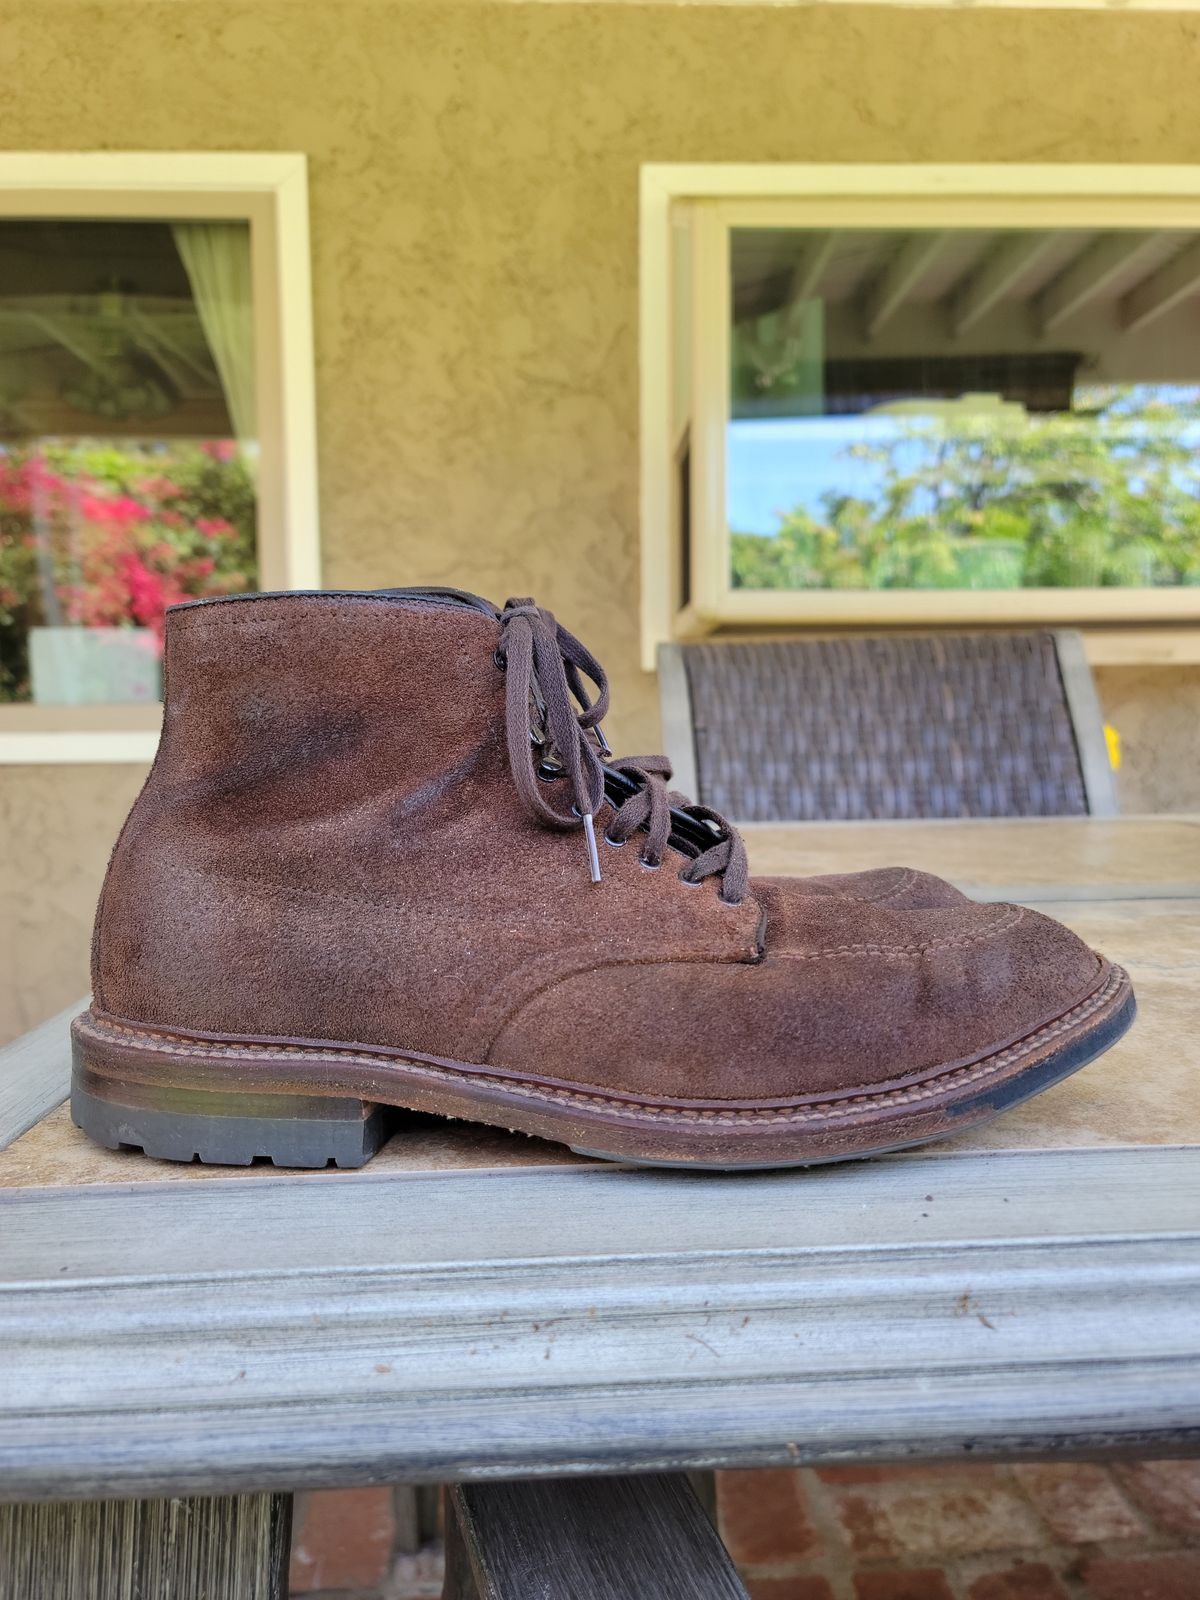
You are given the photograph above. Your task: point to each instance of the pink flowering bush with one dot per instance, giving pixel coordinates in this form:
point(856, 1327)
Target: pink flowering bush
point(109, 536)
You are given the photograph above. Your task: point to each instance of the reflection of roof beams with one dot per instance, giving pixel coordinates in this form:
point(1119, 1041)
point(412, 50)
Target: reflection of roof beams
point(810, 269)
point(165, 330)
point(890, 290)
point(73, 336)
point(1174, 281)
point(1088, 277)
point(157, 337)
point(991, 281)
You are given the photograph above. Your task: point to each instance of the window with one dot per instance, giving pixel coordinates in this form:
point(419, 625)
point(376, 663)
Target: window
point(155, 425)
point(920, 395)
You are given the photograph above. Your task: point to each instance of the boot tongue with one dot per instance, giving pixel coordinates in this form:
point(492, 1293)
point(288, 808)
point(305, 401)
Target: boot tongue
point(436, 595)
point(691, 836)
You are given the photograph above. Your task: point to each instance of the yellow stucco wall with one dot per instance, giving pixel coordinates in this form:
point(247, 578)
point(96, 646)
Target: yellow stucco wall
point(474, 212)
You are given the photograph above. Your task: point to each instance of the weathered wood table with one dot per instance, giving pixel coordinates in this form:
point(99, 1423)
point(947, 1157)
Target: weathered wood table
point(477, 1306)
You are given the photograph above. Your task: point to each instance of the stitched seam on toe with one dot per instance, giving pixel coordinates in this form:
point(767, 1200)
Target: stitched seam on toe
point(1002, 925)
point(906, 951)
point(907, 878)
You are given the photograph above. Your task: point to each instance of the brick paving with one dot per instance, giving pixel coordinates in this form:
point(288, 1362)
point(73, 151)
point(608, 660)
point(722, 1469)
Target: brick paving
point(1041, 1531)
point(342, 1541)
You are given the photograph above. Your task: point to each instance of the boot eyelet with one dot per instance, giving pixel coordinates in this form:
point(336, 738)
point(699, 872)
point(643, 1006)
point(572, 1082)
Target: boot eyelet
point(616, 843)
point(650, 866)
point(500, 659)
point(690, 883)
point(727, 902)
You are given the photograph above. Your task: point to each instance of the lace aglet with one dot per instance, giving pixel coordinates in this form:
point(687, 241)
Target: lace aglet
point(593, 854)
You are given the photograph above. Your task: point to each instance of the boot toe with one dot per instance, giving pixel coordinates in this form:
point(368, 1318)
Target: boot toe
point(901, 996)
point(869, 1030)
point(900, 888)
point(855, 998)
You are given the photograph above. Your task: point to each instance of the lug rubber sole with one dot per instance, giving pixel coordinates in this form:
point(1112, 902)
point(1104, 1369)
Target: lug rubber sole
point(183, 1097)
point(232, 1130)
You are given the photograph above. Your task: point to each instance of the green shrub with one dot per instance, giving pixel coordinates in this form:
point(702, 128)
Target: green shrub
point(109, 535)
point(1105, 495)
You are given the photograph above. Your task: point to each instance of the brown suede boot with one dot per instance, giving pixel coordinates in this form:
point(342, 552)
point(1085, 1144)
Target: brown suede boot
point(385, 859)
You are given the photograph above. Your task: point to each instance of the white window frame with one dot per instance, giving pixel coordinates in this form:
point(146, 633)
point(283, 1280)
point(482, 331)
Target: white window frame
point(1121, 625)
point(268, 191)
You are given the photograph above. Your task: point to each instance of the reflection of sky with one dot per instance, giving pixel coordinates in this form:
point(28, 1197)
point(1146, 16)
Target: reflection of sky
point(776, 464)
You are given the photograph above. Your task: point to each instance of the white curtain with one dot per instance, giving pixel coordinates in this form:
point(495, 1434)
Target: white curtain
point(216, 257)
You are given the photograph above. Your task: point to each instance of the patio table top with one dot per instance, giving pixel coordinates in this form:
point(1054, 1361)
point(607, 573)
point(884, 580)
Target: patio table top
point(479, 1303)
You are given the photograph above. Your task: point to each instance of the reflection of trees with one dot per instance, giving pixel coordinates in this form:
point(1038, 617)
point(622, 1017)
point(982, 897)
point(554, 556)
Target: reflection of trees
point(1108, 494)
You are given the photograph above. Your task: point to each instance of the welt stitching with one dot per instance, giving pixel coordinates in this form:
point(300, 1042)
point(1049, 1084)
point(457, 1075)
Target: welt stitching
point(822, 1111)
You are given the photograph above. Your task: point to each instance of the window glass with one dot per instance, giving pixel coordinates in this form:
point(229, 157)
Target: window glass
point(963, 409)
point(128, 446)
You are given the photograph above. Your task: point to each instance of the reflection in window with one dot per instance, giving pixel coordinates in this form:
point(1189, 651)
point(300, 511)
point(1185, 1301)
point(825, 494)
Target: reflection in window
point(963, 410)
point(128, 443)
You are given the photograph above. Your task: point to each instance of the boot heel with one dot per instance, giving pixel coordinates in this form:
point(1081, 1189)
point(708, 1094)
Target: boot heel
point(227, 1129)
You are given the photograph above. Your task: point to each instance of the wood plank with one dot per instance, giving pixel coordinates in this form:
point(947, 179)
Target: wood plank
point(231, 1547)
point(585, 1539)
point(35, 1074)
point(288, 1334)
point(1145, 646)
point(347, 1222)
point(1027, 859)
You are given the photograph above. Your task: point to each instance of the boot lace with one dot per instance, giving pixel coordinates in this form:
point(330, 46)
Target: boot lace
point(553, 729)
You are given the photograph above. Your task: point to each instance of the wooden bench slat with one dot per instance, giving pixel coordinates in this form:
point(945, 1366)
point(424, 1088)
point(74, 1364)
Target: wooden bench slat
point(585, 1539)
point(231, 1547)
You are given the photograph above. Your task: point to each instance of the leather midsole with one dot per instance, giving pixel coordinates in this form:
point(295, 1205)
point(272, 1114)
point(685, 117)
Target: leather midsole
point(114, 1049)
